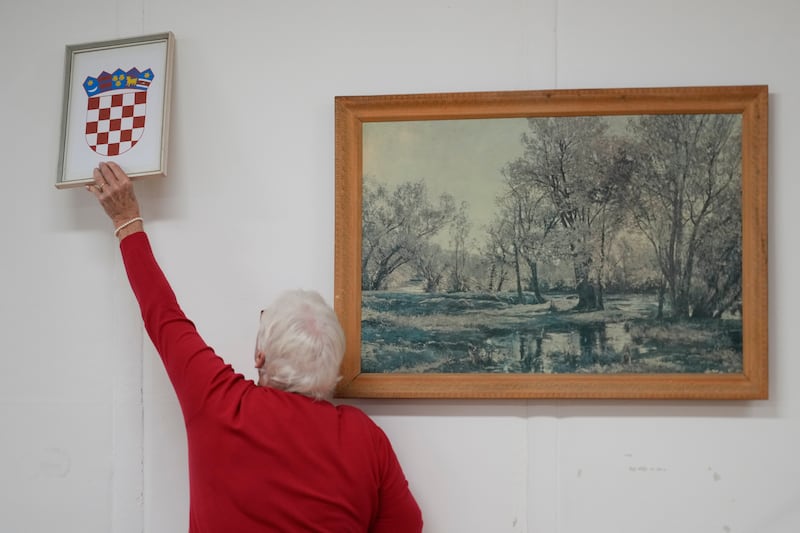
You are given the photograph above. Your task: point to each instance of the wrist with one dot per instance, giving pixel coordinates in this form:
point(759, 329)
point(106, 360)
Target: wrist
point(126, 227)
point(119, 220)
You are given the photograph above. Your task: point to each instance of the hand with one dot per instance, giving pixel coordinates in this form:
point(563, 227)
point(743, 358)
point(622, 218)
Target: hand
point(114, 190)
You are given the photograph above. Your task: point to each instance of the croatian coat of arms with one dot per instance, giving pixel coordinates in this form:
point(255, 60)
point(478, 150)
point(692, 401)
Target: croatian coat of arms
point(115, 110)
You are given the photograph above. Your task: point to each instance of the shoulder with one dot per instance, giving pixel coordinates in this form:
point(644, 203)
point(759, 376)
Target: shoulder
point(354, 413)
point(358, 420)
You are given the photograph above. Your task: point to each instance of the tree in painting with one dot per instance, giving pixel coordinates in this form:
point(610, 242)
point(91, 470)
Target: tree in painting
point(397, 228)
point(686, 201)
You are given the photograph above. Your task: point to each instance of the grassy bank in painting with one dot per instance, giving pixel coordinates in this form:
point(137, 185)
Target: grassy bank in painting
point(479, 332)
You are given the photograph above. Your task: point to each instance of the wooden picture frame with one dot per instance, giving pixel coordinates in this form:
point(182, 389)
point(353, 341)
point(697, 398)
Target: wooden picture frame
point(634, 168)
point(116, 107)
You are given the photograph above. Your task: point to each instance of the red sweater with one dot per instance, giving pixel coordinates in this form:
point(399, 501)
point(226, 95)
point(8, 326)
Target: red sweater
point(260, 459)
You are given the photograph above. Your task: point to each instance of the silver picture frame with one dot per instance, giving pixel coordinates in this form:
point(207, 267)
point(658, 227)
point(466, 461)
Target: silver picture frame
point(116, 107)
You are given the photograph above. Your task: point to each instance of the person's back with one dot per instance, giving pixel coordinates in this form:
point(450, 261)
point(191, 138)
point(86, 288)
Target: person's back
point(280, 461)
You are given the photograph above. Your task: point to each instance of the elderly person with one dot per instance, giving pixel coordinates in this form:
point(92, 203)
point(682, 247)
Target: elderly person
point(276, 455)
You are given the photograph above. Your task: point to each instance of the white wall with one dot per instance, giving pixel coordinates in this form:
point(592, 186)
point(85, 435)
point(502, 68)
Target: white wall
point(90, 434)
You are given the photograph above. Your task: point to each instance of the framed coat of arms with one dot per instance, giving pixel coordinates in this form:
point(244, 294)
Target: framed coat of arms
point(116, 107)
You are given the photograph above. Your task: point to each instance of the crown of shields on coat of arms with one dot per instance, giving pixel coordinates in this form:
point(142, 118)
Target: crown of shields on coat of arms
point(116, 110)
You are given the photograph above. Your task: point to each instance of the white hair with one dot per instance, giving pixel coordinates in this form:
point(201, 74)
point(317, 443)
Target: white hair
point(303, 345)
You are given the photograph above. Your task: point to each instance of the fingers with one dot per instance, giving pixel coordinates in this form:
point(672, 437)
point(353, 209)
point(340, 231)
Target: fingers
point(112, 171)
point(94, 190)
point(99, 180)
point(107, 176)
point(112, 174)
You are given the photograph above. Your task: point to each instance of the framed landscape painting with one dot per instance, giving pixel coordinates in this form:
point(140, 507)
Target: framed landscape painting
point(116, 107)
point(602, 243)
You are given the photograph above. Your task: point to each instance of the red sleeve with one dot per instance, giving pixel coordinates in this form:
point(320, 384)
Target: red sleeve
point(398, 510)
point(192, 366)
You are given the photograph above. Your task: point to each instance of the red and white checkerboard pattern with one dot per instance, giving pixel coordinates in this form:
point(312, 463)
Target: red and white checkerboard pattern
point(115, 122)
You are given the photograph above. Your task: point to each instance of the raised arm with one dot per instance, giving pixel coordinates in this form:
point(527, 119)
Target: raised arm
point(193, 368)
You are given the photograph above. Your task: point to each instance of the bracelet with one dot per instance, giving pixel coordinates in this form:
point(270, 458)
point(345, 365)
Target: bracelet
point(126, 224)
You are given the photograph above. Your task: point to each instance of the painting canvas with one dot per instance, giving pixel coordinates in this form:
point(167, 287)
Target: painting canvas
point(559, 252)
point(116, 107)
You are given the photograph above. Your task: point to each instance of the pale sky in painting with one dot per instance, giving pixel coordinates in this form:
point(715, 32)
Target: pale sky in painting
point(460, 157)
